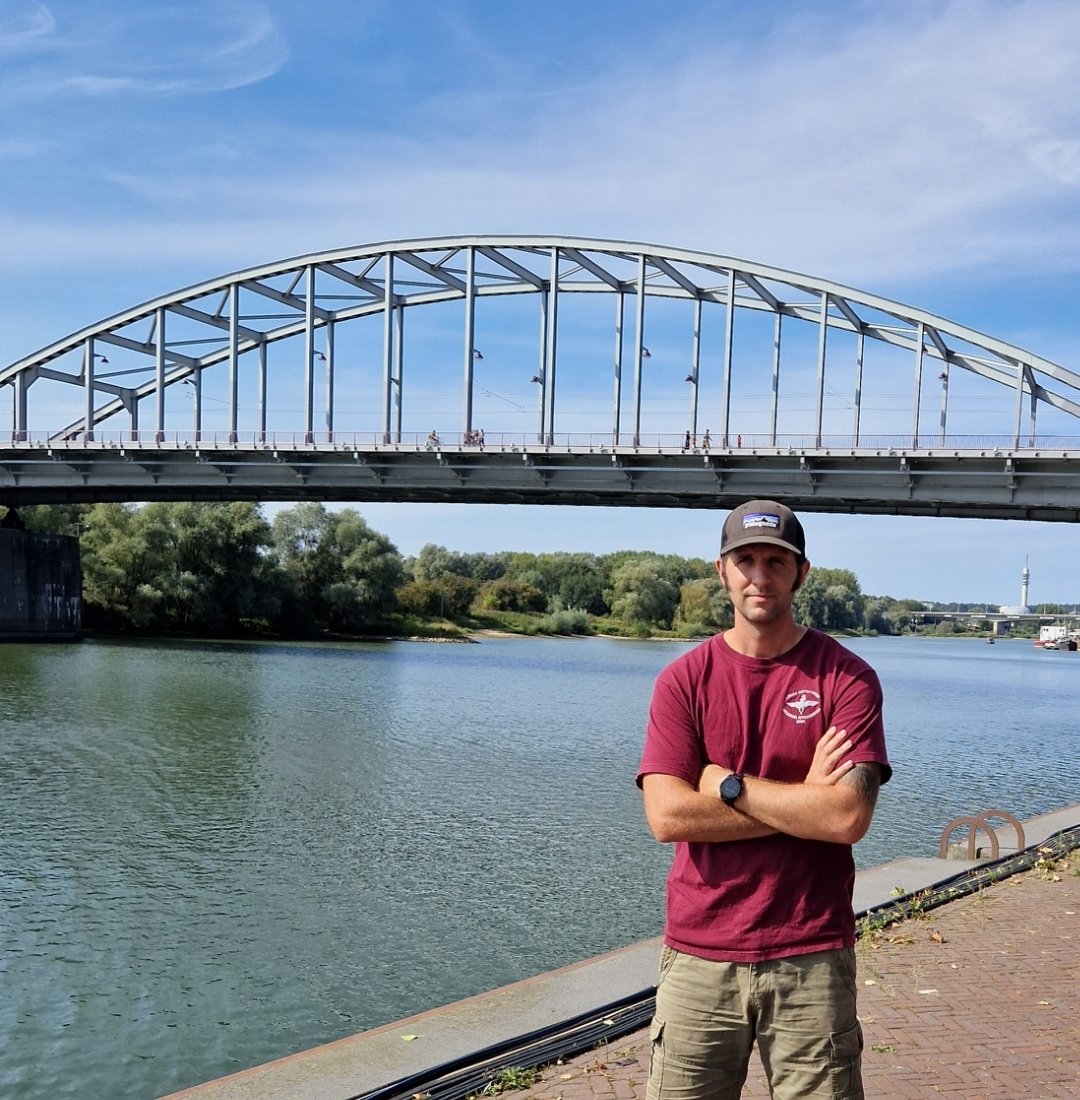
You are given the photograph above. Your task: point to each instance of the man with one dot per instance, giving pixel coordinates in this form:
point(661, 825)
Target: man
point(762, 761)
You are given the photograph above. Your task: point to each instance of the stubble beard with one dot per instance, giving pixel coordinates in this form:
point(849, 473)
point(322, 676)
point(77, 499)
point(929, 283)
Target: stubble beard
point(763, 614)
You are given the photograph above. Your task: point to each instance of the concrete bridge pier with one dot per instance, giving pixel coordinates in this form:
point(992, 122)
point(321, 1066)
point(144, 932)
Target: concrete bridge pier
point(40, 584)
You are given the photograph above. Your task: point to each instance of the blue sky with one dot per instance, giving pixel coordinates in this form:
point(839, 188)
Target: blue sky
point(925, 151)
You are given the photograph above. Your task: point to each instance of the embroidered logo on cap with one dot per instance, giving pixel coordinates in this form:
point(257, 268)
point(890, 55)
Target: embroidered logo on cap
point(754, 520)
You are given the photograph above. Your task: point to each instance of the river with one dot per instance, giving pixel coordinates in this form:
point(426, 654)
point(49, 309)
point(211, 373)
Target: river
point(218, 854)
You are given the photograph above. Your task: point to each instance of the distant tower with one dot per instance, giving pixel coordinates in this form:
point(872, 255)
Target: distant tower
point(1024, 578)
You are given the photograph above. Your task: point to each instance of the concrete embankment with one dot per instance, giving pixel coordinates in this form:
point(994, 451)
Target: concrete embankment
point(360, 1064)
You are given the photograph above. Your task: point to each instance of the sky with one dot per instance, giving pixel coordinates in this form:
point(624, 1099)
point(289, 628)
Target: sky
point(922, 150)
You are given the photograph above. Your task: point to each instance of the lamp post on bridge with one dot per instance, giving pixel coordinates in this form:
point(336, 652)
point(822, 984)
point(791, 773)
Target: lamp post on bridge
point(538, 380)
point(89, 358)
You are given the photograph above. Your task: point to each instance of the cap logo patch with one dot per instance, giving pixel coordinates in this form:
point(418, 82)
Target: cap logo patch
point(754, 520)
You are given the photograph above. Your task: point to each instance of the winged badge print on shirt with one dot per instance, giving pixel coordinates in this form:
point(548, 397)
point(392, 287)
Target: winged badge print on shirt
point(802, 705)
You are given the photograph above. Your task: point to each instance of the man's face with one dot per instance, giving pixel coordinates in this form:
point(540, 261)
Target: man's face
point(761, 580)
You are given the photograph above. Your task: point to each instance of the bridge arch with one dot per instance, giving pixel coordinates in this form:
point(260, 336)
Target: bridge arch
point(124, 368)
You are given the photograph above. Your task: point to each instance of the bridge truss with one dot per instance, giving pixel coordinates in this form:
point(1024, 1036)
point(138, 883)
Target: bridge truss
point(592, 366)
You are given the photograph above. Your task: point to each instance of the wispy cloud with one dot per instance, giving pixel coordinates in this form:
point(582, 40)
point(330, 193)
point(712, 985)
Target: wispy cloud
point(873, 144)
point(161, 49)
point(23, 27)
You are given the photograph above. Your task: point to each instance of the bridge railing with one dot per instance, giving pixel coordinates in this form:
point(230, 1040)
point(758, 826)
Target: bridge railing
point(510, 441)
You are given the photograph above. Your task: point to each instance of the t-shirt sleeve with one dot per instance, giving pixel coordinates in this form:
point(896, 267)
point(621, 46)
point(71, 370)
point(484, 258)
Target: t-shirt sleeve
point(858, 709)
point(673, 741)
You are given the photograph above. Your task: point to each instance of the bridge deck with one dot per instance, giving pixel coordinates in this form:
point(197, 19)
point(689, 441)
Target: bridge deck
point(995, 482)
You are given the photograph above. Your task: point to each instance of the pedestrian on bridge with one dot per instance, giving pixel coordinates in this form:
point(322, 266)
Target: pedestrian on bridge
point(763, 756)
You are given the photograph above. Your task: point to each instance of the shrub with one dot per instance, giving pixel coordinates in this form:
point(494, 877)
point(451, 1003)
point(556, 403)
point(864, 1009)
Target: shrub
point(566, 622)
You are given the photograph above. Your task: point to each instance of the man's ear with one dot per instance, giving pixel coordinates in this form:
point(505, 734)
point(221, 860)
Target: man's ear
point(720, 572)
point(803, 570)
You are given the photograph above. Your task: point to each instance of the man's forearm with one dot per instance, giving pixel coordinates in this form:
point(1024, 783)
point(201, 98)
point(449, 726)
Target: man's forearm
point(837, 814)
point(676, 811)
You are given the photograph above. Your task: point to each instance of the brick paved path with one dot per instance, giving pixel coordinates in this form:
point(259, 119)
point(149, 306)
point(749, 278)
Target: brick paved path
point(979, 1000)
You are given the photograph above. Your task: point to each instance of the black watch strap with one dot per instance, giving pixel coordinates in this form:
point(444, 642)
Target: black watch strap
point(731, 788)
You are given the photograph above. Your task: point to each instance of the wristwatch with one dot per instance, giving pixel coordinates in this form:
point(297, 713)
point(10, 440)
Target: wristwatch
point(731, 788)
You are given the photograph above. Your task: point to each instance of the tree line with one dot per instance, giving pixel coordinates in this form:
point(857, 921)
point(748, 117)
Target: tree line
point(224, 569)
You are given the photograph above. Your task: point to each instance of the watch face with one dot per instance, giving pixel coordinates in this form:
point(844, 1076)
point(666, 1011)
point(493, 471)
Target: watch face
point(731, 788)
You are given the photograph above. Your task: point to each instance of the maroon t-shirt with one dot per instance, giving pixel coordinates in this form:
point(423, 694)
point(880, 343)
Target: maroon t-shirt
point(774, 896)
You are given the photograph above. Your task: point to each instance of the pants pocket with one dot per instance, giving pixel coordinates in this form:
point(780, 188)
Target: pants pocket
point(846, 1069)
point(668, 955)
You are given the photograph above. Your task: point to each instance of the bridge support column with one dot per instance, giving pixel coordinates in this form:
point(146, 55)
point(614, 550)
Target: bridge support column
point(470, 335)
point(40, 585)
point(22, 384)
point(616, 401)
point(551, 347)
point(639, 348)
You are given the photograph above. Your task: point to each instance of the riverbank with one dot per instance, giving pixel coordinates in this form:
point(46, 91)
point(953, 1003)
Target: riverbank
point(468, 631)
point(1046, 964)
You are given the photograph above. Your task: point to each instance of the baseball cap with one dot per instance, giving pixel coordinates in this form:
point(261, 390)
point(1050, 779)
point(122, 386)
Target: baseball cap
point(763, 521)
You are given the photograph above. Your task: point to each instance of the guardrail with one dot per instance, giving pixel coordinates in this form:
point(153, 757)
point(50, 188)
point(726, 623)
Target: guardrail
point(983, 445)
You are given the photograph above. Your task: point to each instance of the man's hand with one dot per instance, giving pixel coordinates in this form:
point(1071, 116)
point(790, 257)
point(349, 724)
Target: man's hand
point(711, 778)
point(829, 766)
point(826, 769)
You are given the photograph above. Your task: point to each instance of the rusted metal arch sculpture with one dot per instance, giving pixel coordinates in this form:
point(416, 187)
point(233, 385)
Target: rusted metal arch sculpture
point(980, 823)
point(175, 338)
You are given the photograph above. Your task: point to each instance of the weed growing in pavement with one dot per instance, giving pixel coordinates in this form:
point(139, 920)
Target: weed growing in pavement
point(509, 1079)
point(1049, 866)
point(869, 929)
point(916, 907)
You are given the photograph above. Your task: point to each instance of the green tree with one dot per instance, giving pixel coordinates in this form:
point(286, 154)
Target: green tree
point(486, 567)
point(876, 617)
point(457, 594)
point(371, 565)
point(345, 573)
point(811, 602)
point(434, 561)
point(50, 519)
point(118, 568)
point(843, 577)
point(899, 612)
point(843, 608)
point(188, 567)
point(508, 595)
point(219, 575)
point(421, 598)
point(641, 597)
point(578, 584)
point(704, 606)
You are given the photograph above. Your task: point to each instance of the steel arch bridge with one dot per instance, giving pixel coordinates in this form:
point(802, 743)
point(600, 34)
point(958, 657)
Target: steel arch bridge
point(541, 370)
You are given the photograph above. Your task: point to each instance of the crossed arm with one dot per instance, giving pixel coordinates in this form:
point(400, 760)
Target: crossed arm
point(834, 802)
